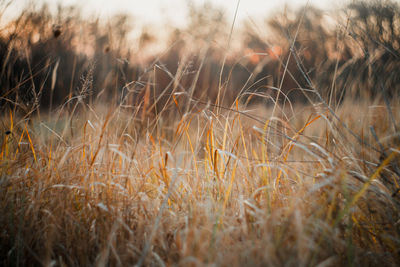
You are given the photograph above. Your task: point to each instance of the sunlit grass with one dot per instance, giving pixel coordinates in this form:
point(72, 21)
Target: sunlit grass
point(107, 187)
point(283, 153)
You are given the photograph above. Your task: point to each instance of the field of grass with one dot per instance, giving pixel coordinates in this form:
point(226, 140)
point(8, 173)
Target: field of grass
point(117, 164)
point(307, 186)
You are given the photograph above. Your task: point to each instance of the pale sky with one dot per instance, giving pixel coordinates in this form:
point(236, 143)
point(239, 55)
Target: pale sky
point(156, 11)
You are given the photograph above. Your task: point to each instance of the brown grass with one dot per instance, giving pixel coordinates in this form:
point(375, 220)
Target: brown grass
point(158, 176)
point(224, 189)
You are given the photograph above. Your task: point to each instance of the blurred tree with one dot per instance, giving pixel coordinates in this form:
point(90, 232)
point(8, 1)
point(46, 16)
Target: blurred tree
point(374, 68)
point(40, 46)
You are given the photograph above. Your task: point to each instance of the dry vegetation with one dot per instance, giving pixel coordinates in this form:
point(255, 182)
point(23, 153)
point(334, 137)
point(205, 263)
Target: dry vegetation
point(182, 171)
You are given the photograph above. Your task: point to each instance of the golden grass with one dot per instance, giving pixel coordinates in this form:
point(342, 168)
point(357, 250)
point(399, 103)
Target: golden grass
point(105, 187)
